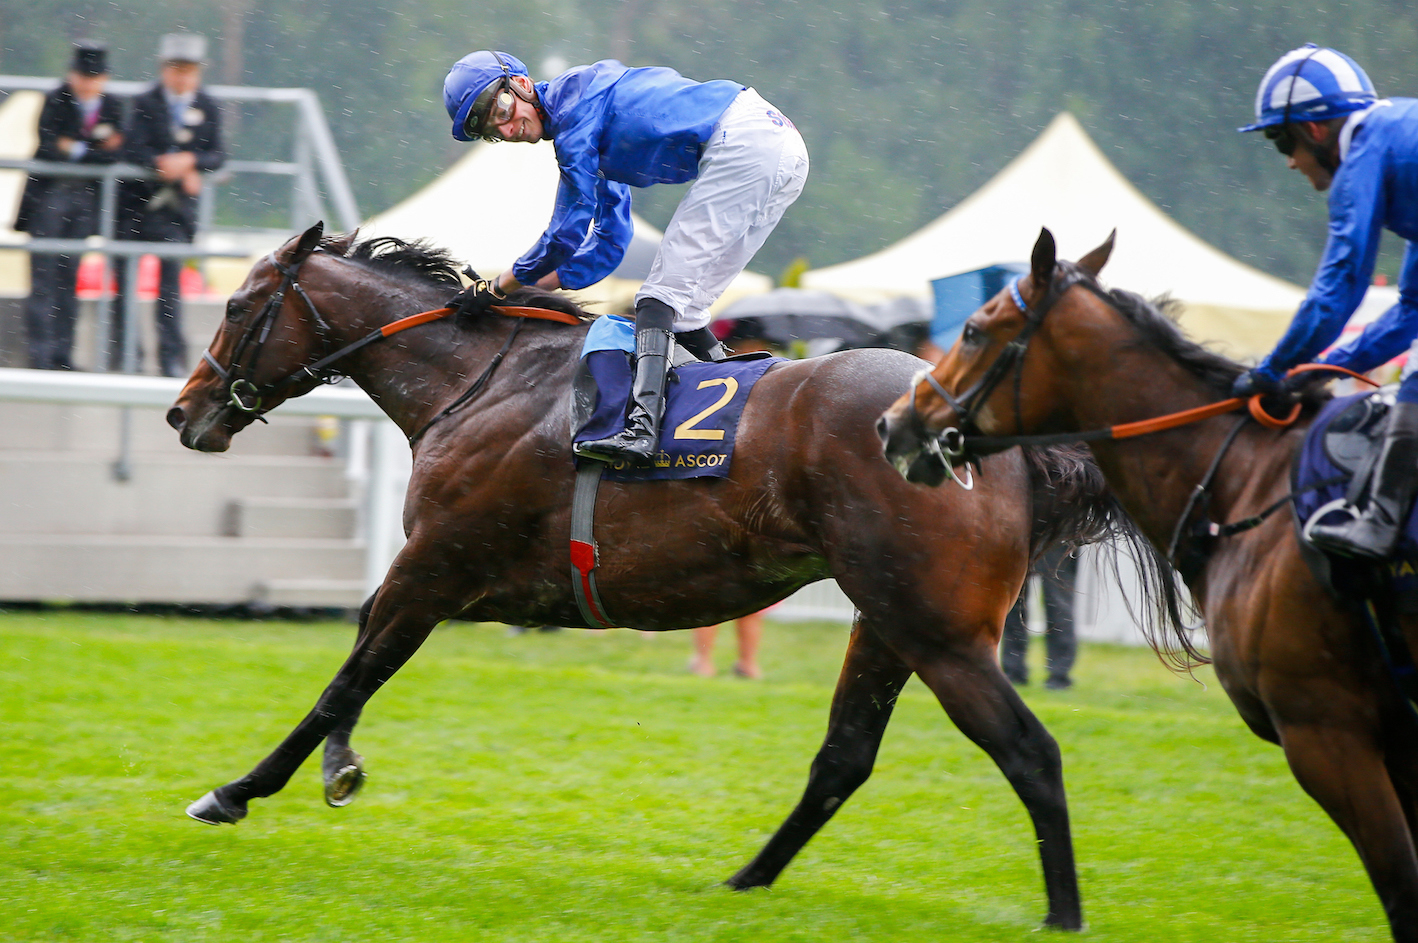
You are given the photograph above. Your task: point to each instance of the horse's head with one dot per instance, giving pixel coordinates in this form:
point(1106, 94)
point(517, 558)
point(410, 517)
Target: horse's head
point(997, 378)
point(270, 331)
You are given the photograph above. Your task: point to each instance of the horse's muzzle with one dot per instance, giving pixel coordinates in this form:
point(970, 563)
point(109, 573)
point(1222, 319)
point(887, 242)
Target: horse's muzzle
point(204, 434)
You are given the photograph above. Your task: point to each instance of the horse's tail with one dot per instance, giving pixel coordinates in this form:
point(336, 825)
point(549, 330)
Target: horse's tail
point(1073, 506)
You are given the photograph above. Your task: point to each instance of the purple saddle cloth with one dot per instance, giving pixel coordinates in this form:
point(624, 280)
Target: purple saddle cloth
point(704, 404)
point(1338, 444)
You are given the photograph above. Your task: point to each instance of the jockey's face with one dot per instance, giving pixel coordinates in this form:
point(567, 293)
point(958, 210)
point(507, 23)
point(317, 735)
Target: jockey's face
point(524, 122)
point(1307, 141)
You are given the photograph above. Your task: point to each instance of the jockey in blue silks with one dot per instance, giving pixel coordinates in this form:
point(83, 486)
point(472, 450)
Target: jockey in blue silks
point(1321, 111)
point(615, 128)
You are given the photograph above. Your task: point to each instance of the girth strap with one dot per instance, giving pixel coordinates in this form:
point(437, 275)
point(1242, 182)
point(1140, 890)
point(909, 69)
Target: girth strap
point(584, 553)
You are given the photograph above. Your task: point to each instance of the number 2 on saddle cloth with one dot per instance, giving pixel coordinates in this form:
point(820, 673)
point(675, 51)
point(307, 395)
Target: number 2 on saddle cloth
point(702, 412)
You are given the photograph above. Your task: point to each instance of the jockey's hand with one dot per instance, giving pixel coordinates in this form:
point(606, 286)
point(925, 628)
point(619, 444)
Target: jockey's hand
point(476, 298)
point(1254, 382)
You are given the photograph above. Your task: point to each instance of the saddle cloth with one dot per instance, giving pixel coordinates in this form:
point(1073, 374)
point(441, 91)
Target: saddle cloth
point(703, 405)
point(1343, 440)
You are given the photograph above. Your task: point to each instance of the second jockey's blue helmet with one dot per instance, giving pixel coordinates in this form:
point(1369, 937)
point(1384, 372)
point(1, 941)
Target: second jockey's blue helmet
point(470, 77)
point(1311, 83)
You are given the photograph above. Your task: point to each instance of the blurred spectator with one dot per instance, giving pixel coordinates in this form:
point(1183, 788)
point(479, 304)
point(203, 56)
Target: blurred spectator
point(1058, 570)
point(78, 124)
point(175, 129)
point(914, 338)
point(743, 336)
point(749, 629)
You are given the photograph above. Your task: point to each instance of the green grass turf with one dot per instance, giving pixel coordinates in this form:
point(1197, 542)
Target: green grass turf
point(583, 786)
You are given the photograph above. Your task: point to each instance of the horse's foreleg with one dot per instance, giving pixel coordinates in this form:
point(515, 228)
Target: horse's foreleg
point(984, 705)
point(342, 768)
point(1343, 770)
point(871, 679)
point(396, 630)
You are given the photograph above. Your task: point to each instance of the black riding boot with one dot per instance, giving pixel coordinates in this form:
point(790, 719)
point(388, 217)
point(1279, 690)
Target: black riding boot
point(702, 343)
point(653, 340)
point(1375, 532)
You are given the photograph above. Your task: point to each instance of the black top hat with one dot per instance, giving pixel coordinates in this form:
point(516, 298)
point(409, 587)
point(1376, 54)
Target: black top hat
point(90, 58)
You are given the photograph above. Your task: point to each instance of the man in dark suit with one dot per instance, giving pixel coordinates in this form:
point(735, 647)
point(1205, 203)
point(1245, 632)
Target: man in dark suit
point(78, 124)
point(175, 129)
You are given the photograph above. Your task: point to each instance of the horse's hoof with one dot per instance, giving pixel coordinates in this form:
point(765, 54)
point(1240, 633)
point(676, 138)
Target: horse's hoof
point(340, 789)
point(213, 811)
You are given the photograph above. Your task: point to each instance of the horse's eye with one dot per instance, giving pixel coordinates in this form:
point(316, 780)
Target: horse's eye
point(233, 312)
point(971, 334)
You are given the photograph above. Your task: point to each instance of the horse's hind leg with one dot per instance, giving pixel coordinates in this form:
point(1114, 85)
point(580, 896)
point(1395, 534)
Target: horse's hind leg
point(871, 679)
point(342, 768)
point(984, 705)
point(1343, 770)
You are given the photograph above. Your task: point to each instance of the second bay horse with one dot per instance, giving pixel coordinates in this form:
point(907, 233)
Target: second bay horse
point(488, 518)
point(1301, 668)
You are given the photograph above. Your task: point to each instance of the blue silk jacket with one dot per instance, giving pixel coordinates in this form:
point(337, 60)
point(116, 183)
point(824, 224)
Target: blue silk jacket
point(614, 128)
point(1375, 188)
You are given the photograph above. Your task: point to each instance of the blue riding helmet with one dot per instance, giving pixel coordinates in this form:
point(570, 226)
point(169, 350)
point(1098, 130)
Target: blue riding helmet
point(1311, 83)
point(470, 76)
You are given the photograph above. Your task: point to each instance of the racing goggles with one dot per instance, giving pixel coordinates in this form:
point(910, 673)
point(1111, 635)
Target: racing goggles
point(1283, 137)
point(493, 106)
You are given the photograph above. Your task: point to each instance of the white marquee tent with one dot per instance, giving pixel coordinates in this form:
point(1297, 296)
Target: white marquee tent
point(492, 205)
point(1063, 181)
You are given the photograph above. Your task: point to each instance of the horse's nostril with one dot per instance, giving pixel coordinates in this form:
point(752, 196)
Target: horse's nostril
point(883, 432)
point(176, 418)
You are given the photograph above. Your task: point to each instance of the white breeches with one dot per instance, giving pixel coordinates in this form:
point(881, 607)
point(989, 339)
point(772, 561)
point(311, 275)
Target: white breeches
point(753, 168)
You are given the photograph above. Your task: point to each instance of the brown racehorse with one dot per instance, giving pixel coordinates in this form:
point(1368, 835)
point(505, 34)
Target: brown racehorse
point(1303, 671)
point(489, 506)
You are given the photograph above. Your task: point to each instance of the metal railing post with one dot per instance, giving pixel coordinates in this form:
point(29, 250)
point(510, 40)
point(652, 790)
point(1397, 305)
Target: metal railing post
point(103, 308)
point(382, 504)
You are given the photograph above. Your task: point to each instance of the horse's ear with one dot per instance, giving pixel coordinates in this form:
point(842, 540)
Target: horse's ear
point(1095, 260)
point(340, 243)
point(298, 249)
point(1042, 259)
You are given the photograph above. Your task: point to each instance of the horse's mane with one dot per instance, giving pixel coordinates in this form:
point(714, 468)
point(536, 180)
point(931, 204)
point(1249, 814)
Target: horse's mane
point(433, 265)
point(1089, 513)
point(419, 260)
point(1156, 322)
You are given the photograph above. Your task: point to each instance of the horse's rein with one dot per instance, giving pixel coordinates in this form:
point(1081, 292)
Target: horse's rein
point(239, 386)
point(951, 442)
point(1128, 430)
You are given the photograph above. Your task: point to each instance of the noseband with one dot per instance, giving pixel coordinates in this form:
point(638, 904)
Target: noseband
point(949, 445)
point(240, 388)
point(254, 337)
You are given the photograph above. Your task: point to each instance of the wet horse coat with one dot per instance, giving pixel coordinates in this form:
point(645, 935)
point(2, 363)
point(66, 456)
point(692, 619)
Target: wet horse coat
point(1301, 669)
point(488, 519)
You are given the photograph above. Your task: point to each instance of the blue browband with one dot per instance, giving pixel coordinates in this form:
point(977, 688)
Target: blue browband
point(1014, 293)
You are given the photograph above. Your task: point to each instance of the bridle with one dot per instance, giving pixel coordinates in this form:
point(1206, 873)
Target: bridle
point(949, 445)
point(254, 337)
point(236, 376)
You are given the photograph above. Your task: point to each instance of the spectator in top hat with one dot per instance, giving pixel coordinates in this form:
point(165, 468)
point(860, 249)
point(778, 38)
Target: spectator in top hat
point(175, 129)
point(78, 124)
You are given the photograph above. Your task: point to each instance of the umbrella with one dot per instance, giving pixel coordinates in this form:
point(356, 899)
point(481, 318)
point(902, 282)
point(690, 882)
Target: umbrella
point(784, 315)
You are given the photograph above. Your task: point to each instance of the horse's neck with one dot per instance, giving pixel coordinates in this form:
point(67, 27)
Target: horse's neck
point(1154, 475)
point(414, 373)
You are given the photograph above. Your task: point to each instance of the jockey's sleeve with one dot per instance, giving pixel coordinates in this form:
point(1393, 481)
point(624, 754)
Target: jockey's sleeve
point(1356, 219)
point(576, 203)
point(1391, 333)
point(607, 241)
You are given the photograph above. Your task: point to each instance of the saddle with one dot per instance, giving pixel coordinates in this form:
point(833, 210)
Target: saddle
point(704, 402)
point(1331, 474)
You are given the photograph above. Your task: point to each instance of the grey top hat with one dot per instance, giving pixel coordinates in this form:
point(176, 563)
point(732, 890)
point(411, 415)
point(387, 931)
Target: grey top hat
point(89, 58)
point(183, 47)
